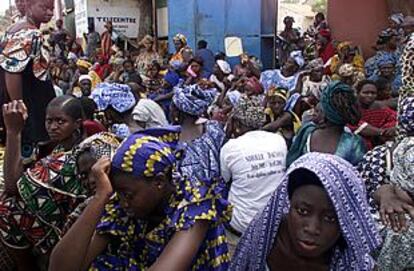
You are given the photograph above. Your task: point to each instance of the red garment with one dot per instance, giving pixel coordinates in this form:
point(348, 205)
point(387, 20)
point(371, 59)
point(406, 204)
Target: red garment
point(327, 53)
point(382, 118)
point(106, 43)
point(100, 70)
point(93, 127)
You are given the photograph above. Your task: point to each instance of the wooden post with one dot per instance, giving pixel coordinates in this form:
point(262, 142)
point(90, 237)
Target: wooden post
point(155, 24)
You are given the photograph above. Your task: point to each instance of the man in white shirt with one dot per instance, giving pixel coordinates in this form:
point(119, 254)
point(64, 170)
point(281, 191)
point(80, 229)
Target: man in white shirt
point(252, 163)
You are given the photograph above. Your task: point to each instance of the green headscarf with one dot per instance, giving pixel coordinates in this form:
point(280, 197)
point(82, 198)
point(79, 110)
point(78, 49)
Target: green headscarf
point(331, 113)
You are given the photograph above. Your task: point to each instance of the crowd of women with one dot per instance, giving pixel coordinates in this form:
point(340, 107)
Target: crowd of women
point(181, 162)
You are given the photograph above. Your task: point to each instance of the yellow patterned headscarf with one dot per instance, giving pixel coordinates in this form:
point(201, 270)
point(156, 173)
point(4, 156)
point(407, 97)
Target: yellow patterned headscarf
point(278, 92)
point(148, 153)
point(83, 64)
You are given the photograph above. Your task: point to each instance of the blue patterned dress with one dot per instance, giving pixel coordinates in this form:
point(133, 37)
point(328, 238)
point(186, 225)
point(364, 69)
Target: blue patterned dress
point(134, 246)
point(201, 159)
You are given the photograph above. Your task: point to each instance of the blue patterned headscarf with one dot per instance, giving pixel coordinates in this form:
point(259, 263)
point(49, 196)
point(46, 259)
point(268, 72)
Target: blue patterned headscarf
point(193, 100)
point(148, 153)
point(406, 116)
point(119, 97)
point(331, 113)
point(386, 59)
point(347, 193)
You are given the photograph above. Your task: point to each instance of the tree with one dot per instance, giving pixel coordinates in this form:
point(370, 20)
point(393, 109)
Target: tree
point(320, 6)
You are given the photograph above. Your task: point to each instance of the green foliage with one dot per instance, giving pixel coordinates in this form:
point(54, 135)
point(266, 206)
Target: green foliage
point(320, 6)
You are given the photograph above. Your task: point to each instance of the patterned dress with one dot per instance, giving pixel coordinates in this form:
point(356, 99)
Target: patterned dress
point(26, 52)
point(48, 193)
point(201, 159)
point(134, 246)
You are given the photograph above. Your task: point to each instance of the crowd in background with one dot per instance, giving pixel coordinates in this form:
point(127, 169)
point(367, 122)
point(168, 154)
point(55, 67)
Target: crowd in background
point(135, 160)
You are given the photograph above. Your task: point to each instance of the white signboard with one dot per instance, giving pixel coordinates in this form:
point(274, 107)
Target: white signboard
point(81, 17)
point(124, 16)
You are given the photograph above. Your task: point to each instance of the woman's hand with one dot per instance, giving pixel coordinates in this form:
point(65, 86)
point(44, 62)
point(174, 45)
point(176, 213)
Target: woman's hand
point(15, 115)
point(394, 205)
point(100, 172)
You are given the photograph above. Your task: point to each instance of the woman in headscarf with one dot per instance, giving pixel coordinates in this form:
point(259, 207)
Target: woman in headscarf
point(388, 172)
point(378, 122)
point(164, 97)
point(387, 65)
point(116, 102)
point(102, 68)
point(340, 108)
point(317, 219)
point(180, 44)
point(347, 54)
point(147, 56)
point(155, 211)
point(201, 139)
point(38, 200)
point(287, 77)
point(313, 81)
point(276, 100)
point(222, 76)
point(84, 68)
point(349, 75)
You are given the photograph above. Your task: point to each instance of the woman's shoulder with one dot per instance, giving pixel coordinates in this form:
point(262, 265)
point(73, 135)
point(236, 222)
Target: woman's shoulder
point(20, 48)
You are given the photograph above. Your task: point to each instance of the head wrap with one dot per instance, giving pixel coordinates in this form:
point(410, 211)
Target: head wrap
point(315, 64)
point(148, 153)
point(256, 85)
point(406, 115)
point(234, 97)
point(346, 70)
point(397, 18)
point(278, 92)
point(147, 39)
point(224, 66)
point(288, 18)
point(385, 36)
point(298, 57)
point(119, 97)
point(343, 45)
point(386, 59)
point(98, 145)
point(84, 77)
point(181, 38)
point(331, 113)
point(193, 100)
point(250, 112)
point(347, 194)
point(83, 64)
point(172, 78)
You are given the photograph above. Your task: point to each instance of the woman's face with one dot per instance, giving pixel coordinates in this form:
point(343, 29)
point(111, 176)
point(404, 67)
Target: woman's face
point(59, 125)
point(316, 75)
point(312, 222)
point(276, 104)
point(196, 67)
point(290, 67)
point(178, 45)
point(84, 166)
point(152, 71)
point(318, 116)
point(139, 197)
point(21, 6)
point(387, 70)
point(368, 94)
point(41, 11)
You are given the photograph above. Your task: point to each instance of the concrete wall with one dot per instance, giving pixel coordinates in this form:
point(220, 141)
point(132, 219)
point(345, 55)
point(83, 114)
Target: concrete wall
point(358, 20)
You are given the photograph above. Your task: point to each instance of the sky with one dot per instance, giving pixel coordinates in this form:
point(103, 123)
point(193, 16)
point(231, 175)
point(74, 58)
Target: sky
point(4, 5)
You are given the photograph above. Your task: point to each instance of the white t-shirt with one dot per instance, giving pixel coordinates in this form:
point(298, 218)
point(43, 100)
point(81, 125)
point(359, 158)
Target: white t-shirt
point(255, 164)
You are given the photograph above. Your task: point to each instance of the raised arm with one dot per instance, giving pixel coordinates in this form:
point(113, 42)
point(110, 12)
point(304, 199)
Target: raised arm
point(14, 114)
